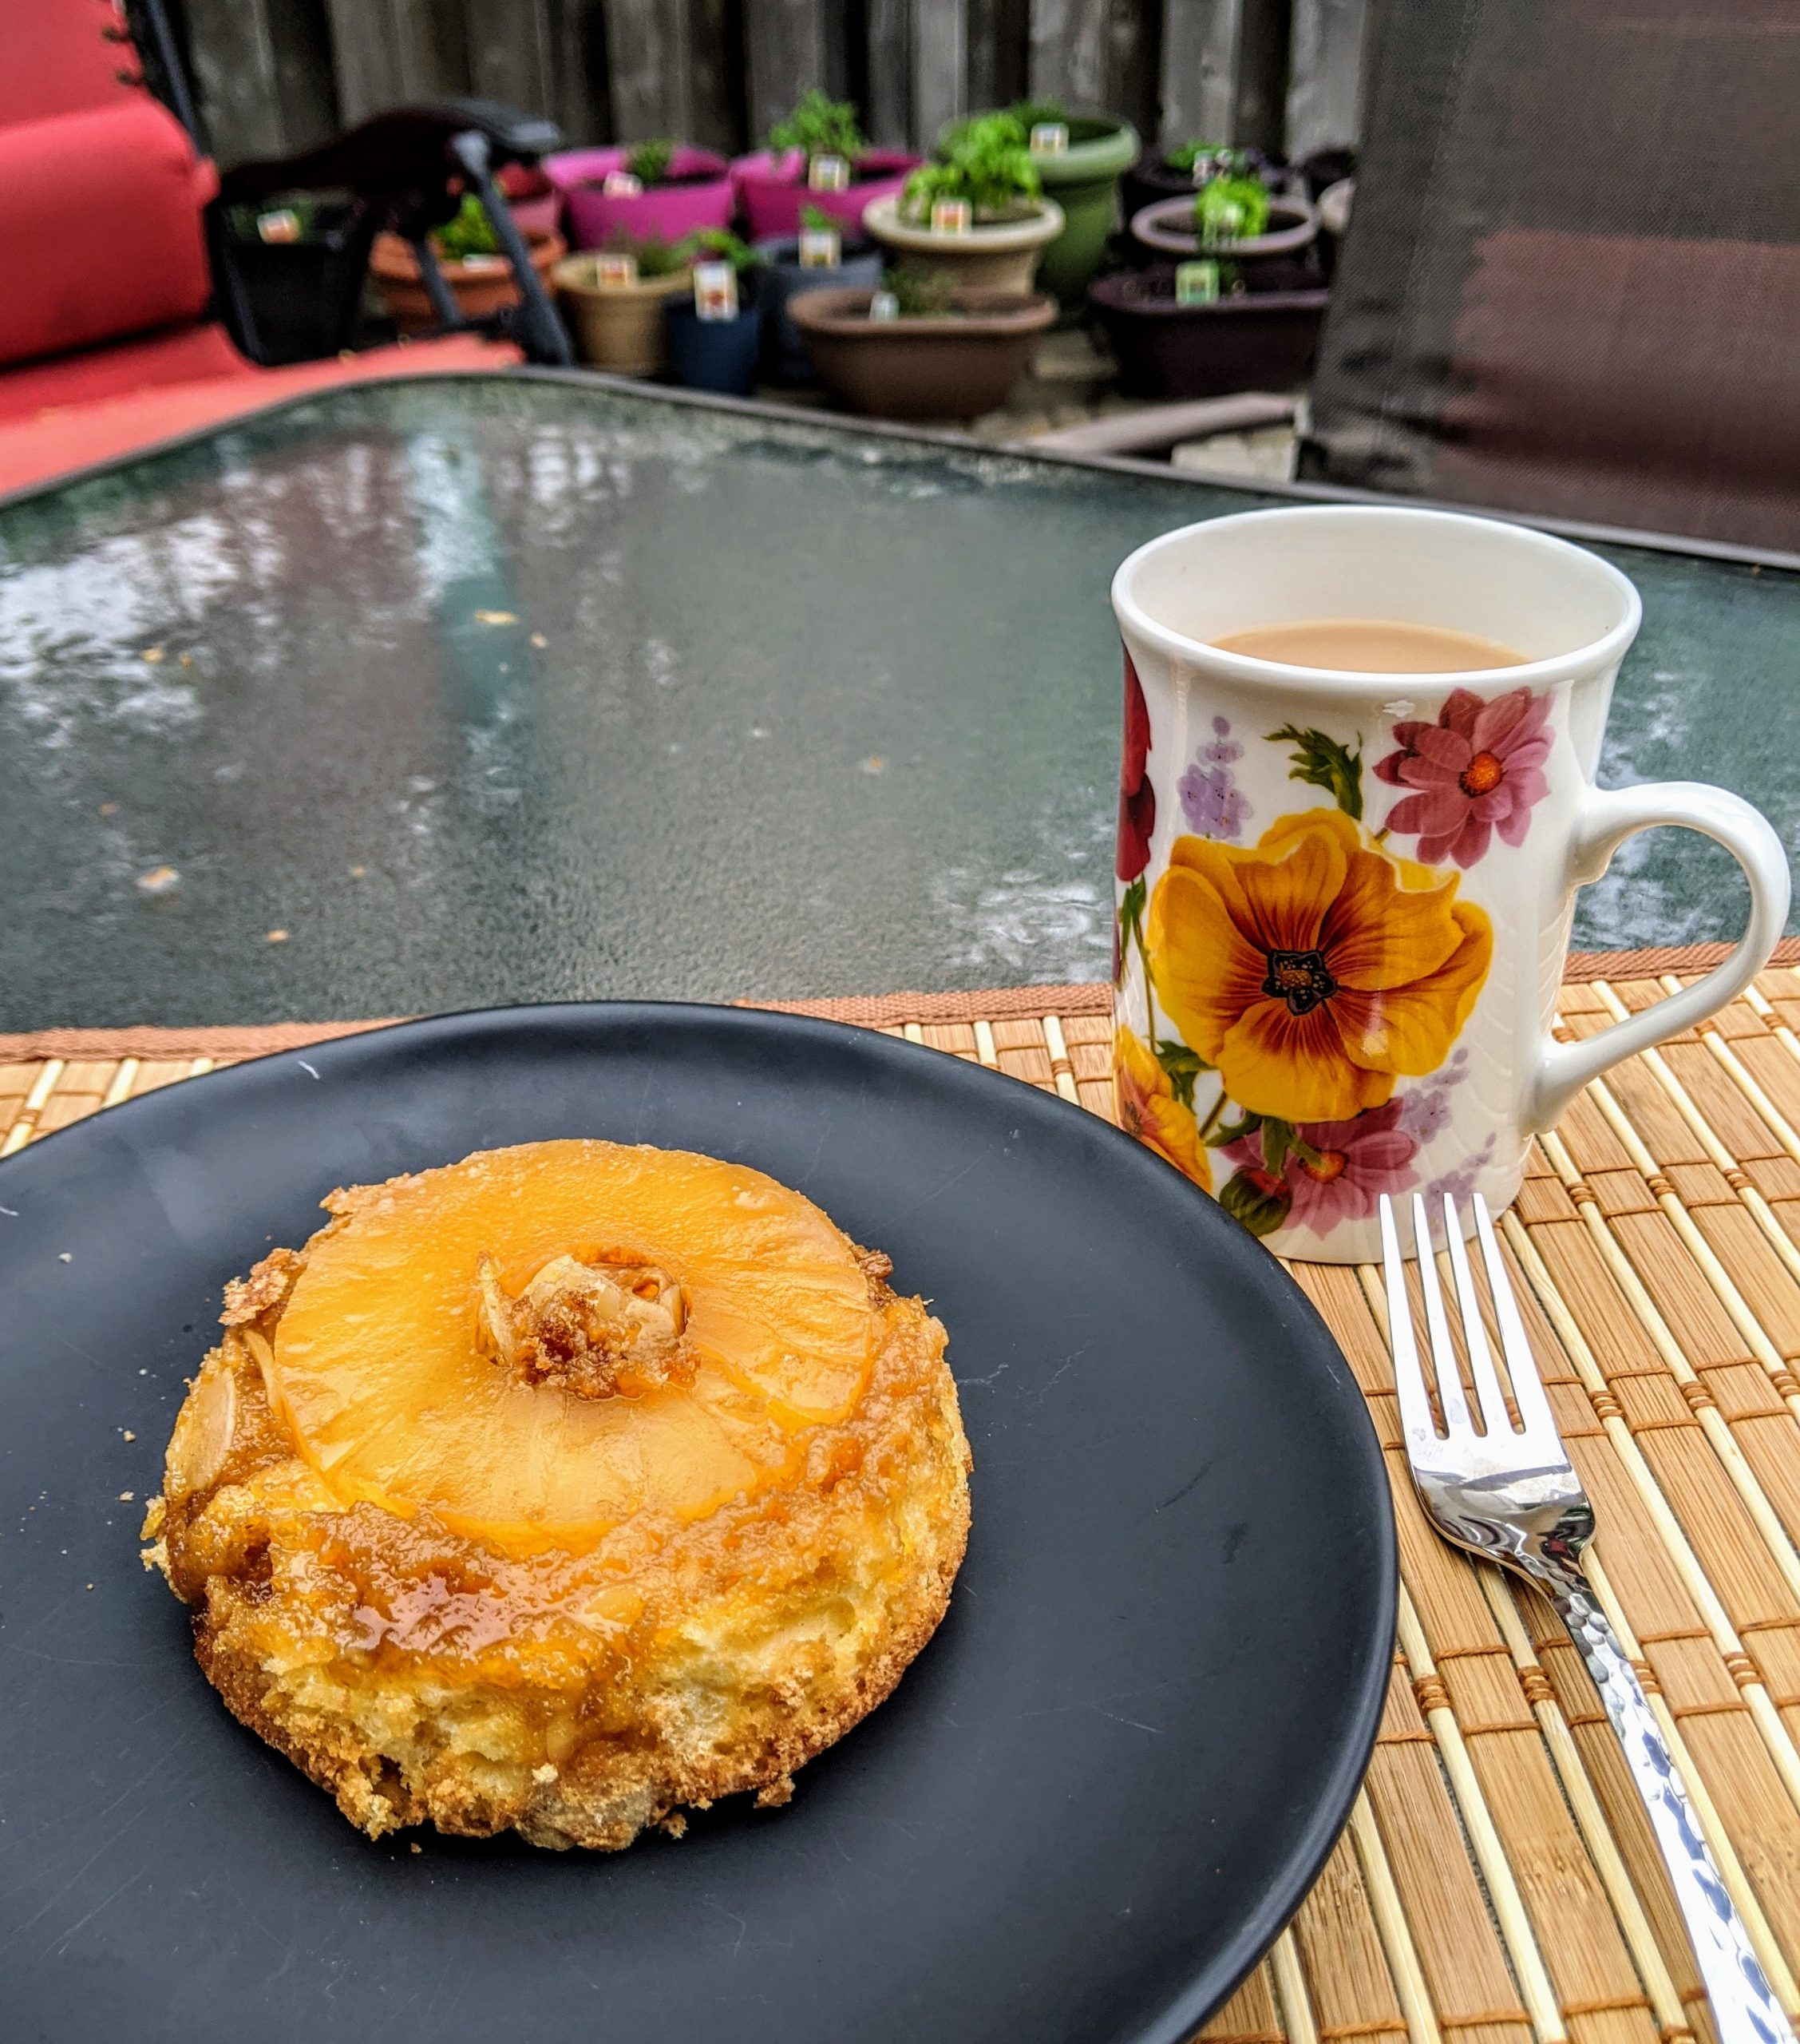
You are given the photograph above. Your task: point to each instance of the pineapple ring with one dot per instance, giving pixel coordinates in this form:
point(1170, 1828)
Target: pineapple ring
point(382, 1367)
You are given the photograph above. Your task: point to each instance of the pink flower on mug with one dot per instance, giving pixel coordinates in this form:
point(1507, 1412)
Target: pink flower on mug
point(1137, 800)
point(1478, 768)
point(1337, 1170)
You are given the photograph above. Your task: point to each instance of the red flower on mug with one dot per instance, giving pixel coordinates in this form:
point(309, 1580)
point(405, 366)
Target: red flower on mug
point(1137, 800)
point(1353, 1163)
point(1478, 768)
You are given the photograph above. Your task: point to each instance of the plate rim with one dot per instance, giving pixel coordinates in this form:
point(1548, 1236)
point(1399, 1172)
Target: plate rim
point(1206, 1990)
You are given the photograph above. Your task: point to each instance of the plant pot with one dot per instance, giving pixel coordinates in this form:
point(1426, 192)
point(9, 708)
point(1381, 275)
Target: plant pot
point(938, 367)
point(1151, 179)
point(480, 285)
point(1083, 179)
point(701, 198)
point(993, 256)
point(304, 296)
point(619, 326)
point(1334, 202)
point(772, 189)
point(1268, 260)
point(534, 202)
point(1256, 340)
point(714, 355)
point(785, 359)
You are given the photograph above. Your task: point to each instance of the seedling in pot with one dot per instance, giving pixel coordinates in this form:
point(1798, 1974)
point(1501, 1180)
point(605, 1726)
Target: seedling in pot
point(822, 240)
point(1203, 161)
point(986, 162)
point(824, 129)
point(468, 232)
point(1228, 209)
point(649, 162)
point(916, 294)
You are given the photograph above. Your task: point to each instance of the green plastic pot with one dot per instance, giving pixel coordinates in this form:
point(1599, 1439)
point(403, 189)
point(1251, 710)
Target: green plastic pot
point(1084, 182)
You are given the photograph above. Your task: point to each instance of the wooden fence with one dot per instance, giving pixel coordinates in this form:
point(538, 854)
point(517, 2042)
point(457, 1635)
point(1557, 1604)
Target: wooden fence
point(273, 76)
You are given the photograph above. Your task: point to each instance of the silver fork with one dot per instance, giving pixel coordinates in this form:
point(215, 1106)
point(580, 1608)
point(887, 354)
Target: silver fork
point(1512, 1496)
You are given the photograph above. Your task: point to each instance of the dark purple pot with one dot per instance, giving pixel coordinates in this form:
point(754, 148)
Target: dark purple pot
point(1261, 340)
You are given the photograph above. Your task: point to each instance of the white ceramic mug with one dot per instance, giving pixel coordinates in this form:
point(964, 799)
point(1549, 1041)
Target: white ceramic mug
point(1344, 899)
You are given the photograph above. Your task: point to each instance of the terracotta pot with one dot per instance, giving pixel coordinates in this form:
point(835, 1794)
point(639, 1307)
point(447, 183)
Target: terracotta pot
point(772, 188)
point(1168, 227)
point(663, 212)
point(534, 202)
point(1255, 340)
point(993, 256)
point(938, 368)
point(619, 326)
point(1083, 179)
point(480, 286)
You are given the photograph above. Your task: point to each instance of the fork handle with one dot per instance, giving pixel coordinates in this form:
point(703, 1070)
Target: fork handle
point(1744, 2008)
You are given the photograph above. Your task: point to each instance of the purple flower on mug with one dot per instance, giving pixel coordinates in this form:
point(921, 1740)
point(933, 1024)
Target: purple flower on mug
point(1137, 800)
point(1352, 1164)
point(1478, 768)
point(1460, 1184)
point(1211, 800)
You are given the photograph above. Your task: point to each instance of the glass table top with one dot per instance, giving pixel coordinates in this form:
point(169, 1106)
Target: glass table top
point(493, 689)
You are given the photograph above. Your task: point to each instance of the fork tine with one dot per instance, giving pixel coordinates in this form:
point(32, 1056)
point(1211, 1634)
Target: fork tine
point(1529, 1394)
point(1495, 1418)
point(1438, 1330)
point(1409, 1379)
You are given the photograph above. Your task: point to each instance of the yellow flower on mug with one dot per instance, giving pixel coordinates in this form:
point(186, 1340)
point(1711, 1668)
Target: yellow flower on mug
point(1312, 968)
point(1149, 1109)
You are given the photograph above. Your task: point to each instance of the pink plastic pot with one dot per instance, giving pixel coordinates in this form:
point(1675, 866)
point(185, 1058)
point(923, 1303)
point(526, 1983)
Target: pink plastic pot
point(664, 212)
point(534, 202)
point(772, 189)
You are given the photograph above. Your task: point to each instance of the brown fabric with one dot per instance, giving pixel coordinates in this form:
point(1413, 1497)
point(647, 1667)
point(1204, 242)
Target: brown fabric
point(1571, 284)
point(885, 1010)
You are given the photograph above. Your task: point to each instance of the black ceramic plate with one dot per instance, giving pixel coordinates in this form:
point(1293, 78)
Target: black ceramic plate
point(1091, 1804)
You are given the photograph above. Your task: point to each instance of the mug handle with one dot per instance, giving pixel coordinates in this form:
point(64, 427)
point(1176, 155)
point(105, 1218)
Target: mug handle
point(1611, 815)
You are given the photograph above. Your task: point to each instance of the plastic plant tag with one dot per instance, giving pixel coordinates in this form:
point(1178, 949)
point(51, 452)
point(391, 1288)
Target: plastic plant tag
point(284, 224)
point(1203, 168)
point(951, 216)
point(715, 291)
point(621, 184)
point(884, 305)
point(829, 174)
point(1050, 138)
point(616, 271)
point(1197, 283)
point(480, 263)
point(821, 248)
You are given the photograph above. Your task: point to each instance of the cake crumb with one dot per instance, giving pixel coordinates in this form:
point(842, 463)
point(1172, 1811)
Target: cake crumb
point(415, 1847)
point(547, 1773)
point(128, 1497)
point(127, 1434)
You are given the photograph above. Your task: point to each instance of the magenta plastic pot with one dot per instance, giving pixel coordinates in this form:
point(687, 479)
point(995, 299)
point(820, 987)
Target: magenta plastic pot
point(772, 189)
point(534, 202)
point(664, 213)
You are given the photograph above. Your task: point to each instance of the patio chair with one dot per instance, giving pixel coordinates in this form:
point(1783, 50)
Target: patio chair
point(128, 323)
point(1571, 284)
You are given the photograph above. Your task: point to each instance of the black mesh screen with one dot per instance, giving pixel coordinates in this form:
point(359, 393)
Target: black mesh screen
point(1572, 281)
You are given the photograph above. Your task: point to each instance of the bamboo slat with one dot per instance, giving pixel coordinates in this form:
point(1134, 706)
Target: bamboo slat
point(1498, 1883)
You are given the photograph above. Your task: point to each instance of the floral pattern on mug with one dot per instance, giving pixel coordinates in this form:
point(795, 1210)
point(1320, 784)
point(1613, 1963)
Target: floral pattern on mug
point(1137, 800)
point(1211, 799)
point(1150, 1109)
point(1478, 768)
point(1327, 1171)
point(1313, 969)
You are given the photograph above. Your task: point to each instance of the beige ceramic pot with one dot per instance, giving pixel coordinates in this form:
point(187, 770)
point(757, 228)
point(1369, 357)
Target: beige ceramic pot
point(619, 326)
point(993, 256)
point(480, 284)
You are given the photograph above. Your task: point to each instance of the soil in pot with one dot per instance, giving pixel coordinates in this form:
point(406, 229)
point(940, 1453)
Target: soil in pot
point(619, 326)
point(714, 355)
point(772, 189)
point(955, 364)
point(1253, 340)
point(1083, 180)
point(992, 256)
point(780, 278)
point(480, 284)
point(695, 193)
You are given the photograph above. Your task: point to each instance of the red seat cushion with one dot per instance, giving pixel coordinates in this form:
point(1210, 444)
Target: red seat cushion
point(63, 56)
point(100, 214)
point(94, 408)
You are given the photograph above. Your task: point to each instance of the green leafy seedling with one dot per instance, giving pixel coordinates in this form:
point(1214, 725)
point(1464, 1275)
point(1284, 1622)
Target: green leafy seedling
point(821, 126)
point(649, 161)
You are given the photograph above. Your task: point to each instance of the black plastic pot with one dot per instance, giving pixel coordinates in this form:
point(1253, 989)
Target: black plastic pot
point(714, 355)
point(1258, 340)
point(304, 297)
point(1150, 179)
point(785, 359)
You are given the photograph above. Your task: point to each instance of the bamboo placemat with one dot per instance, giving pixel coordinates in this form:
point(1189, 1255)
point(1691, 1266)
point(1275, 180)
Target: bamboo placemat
point(1497, 1880)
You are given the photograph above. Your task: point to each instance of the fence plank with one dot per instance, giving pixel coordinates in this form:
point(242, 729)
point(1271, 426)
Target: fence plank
point(1000, 52)
point(715, 75)
point(784, 49)
point(387, 52)
point(939, 65)
point(888, 113)
point(1325, 74)
point(511, 54)
point(1069, 50)
point(647, 46)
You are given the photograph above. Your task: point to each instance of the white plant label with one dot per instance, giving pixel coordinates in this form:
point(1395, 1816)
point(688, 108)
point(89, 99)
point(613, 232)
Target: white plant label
point(821, 248)
point(1050, 138)
point(616, 272)
point(884, 305)
point(951, 216)
point(829, 174)
point(282, 225)
point(715, 291)
point(621, 184)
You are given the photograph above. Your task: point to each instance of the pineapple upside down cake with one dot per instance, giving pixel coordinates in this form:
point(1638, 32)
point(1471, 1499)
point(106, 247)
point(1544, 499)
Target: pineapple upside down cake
point(561, 1488)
